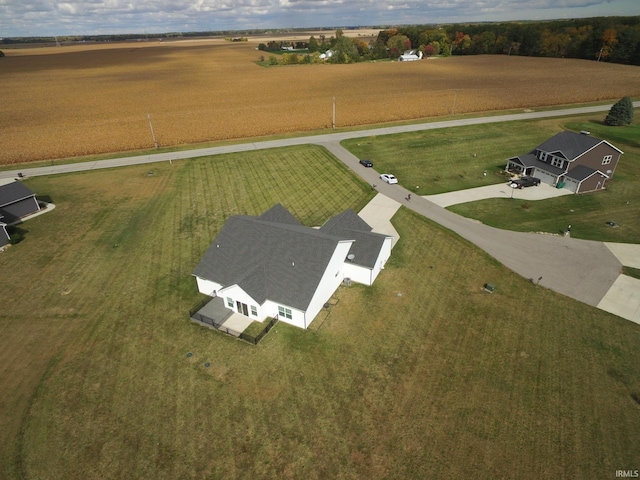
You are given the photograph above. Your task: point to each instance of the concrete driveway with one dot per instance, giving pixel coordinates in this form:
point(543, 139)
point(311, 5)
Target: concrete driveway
point(585, 270)
point(500, 190)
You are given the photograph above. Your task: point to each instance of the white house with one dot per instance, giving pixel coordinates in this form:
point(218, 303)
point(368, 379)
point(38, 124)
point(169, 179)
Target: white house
point(326, 55)
point(273, 265)
point(410, 56)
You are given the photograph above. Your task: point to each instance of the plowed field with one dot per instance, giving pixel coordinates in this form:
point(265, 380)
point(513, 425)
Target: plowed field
point(73, 101)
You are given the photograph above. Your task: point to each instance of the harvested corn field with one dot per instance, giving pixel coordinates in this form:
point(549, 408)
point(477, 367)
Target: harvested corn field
point(74, 101)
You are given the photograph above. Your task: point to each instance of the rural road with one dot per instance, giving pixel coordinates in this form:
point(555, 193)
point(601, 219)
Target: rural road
point(580, 269)
point(315, 139)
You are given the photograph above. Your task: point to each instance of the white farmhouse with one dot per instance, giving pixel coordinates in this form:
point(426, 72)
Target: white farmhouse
point(410, 56)
point(272, 265)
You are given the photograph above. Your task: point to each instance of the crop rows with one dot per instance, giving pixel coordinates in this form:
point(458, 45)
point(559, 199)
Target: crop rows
point(86, 100)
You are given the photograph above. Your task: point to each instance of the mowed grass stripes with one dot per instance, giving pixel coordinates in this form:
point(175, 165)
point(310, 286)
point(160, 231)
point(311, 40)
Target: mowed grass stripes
point(442, 380)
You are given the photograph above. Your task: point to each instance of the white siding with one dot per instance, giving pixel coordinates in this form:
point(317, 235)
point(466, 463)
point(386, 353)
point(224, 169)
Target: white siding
point(357, 273)
point(385, 253)
point(237, 294)
point(330, 281)
point(297, 319)
point(207, 286)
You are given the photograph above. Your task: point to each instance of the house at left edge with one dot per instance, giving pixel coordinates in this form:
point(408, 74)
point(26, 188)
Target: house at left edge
point(272, 265)
point(16, 202)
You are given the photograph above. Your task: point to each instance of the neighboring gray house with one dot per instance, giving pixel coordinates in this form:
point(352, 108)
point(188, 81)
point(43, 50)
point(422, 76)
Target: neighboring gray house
point(4, 235)
point(272, 265)
point(16, 201)
point(576, 161)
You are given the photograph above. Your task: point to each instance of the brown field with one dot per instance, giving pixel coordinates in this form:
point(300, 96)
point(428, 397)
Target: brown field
point(74, 101)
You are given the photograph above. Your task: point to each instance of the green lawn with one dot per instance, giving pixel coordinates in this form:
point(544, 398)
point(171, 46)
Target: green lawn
point(587, 214)
point(445, 160)
point(443, 381)
point(455, 159)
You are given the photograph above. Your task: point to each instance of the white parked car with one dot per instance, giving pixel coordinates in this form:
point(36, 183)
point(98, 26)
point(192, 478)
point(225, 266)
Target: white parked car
point(387, 177)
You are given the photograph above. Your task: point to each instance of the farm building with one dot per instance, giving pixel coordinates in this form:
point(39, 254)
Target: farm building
point(410, 56)
point(576, 161)
point(272, 265)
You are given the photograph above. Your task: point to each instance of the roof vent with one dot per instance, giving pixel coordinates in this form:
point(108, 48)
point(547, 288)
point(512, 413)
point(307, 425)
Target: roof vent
point(585, 132)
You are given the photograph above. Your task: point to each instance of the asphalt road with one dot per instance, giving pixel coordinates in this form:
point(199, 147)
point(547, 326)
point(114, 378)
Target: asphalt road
point(318, 139)
point(581, 269)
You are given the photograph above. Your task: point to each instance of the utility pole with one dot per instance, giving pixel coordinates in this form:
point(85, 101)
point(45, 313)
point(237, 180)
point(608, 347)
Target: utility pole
point(333, 121)
point(152, 133)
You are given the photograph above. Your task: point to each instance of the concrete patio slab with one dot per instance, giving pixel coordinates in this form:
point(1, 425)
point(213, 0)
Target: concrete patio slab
point(627, 253)
point(236, 322)
point(623, 299)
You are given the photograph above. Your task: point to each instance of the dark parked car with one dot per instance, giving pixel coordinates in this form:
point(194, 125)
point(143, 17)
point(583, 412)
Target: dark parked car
point(366, 163)
point(525, 182)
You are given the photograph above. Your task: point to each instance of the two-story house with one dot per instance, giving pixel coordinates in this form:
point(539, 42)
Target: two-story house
point(576, 161)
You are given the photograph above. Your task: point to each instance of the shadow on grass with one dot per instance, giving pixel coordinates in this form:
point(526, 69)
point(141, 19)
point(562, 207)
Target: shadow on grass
point(16, 234)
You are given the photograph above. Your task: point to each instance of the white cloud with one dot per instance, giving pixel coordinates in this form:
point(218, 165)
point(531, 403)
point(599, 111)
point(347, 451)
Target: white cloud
point(51, 17)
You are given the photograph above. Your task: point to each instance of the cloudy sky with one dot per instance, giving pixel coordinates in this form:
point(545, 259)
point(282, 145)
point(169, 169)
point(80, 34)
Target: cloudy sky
point(90, 17)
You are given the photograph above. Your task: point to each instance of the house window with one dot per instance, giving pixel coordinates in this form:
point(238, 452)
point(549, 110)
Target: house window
point(229, 302)
point(607, 159)
point(284, 312)
point(254, 311)
point(556, 162)
point(543, 156)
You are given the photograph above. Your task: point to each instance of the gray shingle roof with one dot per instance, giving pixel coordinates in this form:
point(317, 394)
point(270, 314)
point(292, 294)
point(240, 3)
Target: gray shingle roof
point(13, 192)
point(582, 172)
point(367, 244)
point(279, 214)
point(569, 144)
point(282, 262)
point(530, 160)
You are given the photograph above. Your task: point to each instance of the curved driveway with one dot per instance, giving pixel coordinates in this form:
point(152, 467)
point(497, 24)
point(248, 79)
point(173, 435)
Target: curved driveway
point(581, 269)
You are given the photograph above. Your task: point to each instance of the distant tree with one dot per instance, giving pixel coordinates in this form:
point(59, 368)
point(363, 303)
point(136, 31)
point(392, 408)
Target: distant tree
point(313, 44)
point(609, 41)
point(621, 113)
point(1, 53)
point(397, 45)
point(484, 43)
point(273, 60)
point(379, 50)
point(462, 43)
point(429, 51)
point(344, 51)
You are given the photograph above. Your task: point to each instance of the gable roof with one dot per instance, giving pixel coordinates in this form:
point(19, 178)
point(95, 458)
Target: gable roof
point(279, 214)
point(280, 261)
point(367, 245)
point(530, 160)
point(571, 145)
point(582, 172)
point(14, 192)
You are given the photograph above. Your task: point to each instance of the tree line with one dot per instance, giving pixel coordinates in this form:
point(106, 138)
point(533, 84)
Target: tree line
point(611, 39)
